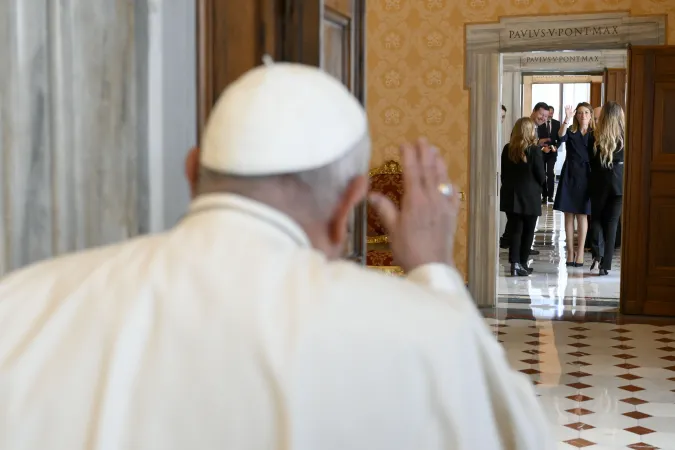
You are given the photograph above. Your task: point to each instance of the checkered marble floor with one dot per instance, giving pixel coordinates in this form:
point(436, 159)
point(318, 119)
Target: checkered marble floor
point(602, 385)
point(605, 381)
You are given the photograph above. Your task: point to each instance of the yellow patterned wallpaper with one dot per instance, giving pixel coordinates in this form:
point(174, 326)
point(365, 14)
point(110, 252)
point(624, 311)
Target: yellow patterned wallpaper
point(415, 69)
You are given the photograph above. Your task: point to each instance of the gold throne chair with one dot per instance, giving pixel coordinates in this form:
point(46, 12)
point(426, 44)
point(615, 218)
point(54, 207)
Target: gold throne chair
point(388, 180)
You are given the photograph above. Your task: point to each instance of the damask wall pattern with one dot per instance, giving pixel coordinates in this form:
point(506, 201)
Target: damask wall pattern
point(415, 70)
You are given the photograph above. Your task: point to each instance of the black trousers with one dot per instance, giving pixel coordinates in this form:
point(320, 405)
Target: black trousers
point(605, 216)
point(521, 234)
point(549, 165)
point(506, 237)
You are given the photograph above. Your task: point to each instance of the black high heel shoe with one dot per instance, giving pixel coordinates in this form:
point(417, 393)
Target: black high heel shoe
point(517, 270)
point(596, 262)
point(571, 264)
point(603, 272)
point(576, 264)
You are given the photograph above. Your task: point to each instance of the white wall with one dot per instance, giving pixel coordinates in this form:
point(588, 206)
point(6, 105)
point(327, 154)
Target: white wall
point(512, 99)
point(172, 97)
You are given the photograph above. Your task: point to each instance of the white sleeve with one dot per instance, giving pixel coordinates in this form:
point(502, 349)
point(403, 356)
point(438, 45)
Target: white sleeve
point(439, 277)
point(448, 282)
point(519, 416)
point(503, 401)
point(482, 402)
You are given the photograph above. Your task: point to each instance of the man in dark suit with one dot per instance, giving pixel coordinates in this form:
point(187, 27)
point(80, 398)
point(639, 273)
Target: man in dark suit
point(550, 141)
point(539, 114)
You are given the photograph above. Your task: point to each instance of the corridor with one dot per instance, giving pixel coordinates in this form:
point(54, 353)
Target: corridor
point(553, 287)
point(605, 381)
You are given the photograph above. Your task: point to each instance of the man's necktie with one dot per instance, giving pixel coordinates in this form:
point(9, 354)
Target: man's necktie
point(549, 128)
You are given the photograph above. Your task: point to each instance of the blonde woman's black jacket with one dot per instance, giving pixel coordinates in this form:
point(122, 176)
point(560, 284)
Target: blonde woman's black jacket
point(521, 183)
point(605, 181)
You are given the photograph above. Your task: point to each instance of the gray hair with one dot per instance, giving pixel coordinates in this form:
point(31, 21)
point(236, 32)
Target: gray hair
point(323, 187)
point(328, 183)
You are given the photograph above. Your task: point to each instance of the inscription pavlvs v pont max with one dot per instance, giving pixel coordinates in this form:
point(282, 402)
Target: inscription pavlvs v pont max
point(535, 33)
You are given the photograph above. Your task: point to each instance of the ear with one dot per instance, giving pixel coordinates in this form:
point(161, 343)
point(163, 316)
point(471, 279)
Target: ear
point(354, 194)
point(192, 170)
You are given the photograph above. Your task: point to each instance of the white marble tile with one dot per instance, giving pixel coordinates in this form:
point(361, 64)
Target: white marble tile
point(611, 437)
point(605, 401)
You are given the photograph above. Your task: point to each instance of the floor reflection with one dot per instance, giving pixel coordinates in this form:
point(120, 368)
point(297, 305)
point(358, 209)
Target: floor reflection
point(554, 287)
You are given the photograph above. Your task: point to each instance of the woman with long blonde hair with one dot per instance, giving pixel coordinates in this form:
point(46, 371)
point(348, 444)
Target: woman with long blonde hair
point(520, 195)
point(606, 184)
point(572, 196)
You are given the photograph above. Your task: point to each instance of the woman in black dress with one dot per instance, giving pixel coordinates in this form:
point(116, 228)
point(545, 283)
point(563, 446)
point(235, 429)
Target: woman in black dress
point(606, 184)
point(522, 176)
point(572, 196)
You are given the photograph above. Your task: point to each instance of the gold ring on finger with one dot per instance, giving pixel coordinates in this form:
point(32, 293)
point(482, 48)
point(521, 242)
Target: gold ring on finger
point(445, 189)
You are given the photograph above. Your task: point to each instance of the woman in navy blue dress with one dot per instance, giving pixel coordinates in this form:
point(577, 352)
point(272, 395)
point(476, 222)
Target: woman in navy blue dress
point(572, 196)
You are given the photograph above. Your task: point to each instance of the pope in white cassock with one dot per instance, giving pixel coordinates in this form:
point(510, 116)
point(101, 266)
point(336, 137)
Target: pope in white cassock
point(241, 328)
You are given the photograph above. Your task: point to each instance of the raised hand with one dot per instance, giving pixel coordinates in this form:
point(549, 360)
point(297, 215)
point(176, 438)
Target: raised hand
point(569, 112)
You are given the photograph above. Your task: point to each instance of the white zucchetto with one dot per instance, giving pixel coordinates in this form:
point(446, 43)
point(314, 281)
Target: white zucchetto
point(281, 118)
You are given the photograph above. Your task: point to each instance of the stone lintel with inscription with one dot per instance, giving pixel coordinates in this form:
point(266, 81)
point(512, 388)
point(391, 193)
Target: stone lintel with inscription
point(579, 32)
point(566, 32)
point(525, 33)
point(564, 61)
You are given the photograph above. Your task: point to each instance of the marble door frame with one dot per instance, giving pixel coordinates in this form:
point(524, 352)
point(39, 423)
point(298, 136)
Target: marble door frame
point(484, 44)
point(514, 67)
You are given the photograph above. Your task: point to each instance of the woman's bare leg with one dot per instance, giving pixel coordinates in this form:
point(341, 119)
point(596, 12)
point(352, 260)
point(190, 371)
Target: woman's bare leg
point(569, 236)
point(582, 229)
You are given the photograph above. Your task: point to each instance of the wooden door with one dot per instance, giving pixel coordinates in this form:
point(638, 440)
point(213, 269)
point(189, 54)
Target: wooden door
point(233, 36)
point(331, 34)
point(615, 81)
point(343, 56)
point(596, 94)
point(648, 248)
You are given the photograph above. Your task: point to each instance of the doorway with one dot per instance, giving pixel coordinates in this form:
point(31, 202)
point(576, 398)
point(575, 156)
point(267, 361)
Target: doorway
point(553, 286)
point(485, 44)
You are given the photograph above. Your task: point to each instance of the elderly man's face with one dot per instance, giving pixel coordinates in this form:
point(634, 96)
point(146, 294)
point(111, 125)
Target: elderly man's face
point(539, 116)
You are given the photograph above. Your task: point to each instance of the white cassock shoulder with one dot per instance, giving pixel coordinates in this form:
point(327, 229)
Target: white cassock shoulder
point(411, 364)
point(35, 295)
